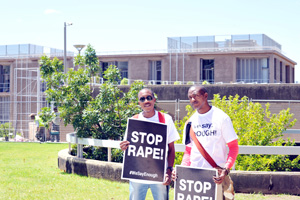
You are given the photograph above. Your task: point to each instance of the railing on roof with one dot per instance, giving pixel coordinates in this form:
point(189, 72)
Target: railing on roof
point(223, 42)
point(25, 50)
point(190, 50)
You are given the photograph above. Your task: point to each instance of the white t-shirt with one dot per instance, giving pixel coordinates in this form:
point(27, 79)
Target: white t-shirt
point(56, 120)
point(171, 131)
point(214, 130)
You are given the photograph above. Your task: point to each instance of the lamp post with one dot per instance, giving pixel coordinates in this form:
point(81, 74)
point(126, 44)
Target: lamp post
point(79, 47)
point(65, 45)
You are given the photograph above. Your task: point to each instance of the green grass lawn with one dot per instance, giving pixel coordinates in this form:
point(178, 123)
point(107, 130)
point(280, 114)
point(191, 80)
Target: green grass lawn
point(29, 171)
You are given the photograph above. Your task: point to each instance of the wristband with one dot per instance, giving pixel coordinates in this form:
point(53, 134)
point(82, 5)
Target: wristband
point(170, 168)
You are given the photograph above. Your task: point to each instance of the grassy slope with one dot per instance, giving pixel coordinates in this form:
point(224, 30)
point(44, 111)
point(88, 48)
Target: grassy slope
point(29, 171)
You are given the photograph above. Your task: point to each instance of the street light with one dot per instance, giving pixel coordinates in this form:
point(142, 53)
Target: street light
point(65, 45)
point(79, 47)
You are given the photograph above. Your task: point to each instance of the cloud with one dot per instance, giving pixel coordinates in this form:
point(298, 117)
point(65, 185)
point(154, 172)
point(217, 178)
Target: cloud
point(50, 11)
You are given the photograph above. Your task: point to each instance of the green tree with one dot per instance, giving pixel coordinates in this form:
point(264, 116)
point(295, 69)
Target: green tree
point(5, 129)
point(47, 117)
point(102, 117)
point(90, 62)
point(254, 125)
point(79, 61)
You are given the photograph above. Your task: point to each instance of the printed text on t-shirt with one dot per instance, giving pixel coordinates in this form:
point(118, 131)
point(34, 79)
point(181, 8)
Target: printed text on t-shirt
point(208, 125)
point(205, 130)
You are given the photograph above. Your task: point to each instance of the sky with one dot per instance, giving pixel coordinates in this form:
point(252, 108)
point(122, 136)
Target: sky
point(119, 25)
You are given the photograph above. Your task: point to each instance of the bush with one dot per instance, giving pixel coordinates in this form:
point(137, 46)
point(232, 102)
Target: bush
point(99, 153)
point(124, 81)
point(205, 83)
point(117, 155)
point(102, 117)
point(254, 125)
point(5, 129)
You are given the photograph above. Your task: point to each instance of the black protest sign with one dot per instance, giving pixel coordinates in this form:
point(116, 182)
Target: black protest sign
point(195, 183)
point(145, 157)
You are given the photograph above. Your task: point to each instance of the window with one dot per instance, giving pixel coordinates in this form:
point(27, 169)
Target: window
point(43, 86)
point(280, 72)
point(123, 67)
point(104, 67)
point(4, 109)
point(207, 70)
point(251, 70)
point(287, 74)
point(4, 78)
point(275, 60)
point(293, 75)
point(155, 71)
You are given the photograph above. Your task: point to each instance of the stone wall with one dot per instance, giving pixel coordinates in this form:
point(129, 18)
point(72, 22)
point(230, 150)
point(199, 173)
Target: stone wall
point(274, 92)
point(244, 181)
point(253, 91)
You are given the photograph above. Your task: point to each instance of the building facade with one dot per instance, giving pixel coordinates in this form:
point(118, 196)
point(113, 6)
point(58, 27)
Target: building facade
point(21, 87)
point(226, 59)
point(215, 59)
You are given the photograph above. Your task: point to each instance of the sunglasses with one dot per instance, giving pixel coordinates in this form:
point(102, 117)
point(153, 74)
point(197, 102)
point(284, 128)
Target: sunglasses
point(149, 98)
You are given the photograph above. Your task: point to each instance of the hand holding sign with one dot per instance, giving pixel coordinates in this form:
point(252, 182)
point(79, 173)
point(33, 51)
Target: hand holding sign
point(174, 175)
point(124, 145)
point(222, 172)
point(145, 155)
point(196, 183)
point(168, 180)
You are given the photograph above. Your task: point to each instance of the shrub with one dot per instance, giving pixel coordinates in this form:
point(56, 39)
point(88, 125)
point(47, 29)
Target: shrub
point(205, 83)
point(5, 129)
point(254, 125)
point(102, 117)
point(124, 81)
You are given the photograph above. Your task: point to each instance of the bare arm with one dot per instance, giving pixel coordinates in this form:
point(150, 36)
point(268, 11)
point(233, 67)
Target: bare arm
point(170, 158)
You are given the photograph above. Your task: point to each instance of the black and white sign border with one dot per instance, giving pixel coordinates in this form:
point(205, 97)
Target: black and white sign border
point(218, 187)
point(165, 154)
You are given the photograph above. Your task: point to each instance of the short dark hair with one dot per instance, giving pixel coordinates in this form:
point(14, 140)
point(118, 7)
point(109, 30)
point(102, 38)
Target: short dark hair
point(202, 90)
point(32, 115)
point(152, 94)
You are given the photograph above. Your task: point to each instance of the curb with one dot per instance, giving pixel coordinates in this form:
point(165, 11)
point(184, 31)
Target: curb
point(244, 181)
